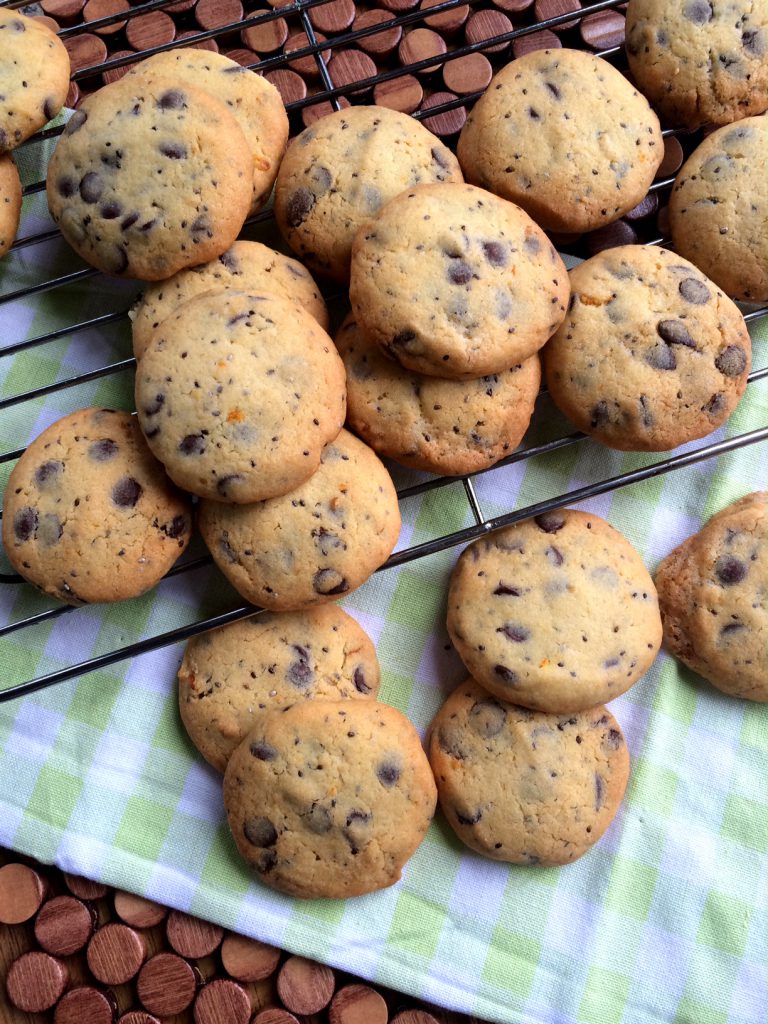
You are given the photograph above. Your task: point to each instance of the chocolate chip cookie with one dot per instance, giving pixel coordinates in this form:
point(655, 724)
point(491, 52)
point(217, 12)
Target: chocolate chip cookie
point(713, 592)
point(564, 135)
point(247, 267)
point(341, 171)
point(718, 211)
point(329, 800)
point(651, 353)
point(456, 283)
point(10, 202)
point(150, 177)
point(556, 613)
point(89, 514)
point(322, 540)
point(522, 786)
point(237, 394)
point(700, 61)
point(441, 426)
point(229, 676)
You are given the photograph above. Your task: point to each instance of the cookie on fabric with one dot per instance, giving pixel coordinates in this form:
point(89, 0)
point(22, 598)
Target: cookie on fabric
point(329, 800)
point(237, 394)
point(10, 202)
point(34, 77)
point(310, 546)
point(456, 283)
point(556, 613)
point(229, 676)
point(255, 103)
point(718, 210)
point(245, 266)
point(565, 136)
point(522, 786)
point(651, 353)
point(700, 61)
point(89, 515)
point(339, 173)
point(149, 177)
point(440, 426)
point(713, 593)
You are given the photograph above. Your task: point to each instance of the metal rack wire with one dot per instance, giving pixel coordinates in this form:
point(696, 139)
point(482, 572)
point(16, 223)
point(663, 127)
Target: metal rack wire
point(329, 93)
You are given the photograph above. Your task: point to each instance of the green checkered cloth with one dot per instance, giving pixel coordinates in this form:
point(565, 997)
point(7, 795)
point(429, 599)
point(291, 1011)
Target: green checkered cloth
point(663, 921)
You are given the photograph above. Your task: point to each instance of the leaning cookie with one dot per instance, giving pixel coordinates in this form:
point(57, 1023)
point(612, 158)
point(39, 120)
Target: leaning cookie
point(700, 61)
point(556, 613)
point(247, 267)
point(651, 353)
point(10, 202)
point(718, 210)
point(329, 800)
point(525, 787)
point(34, 77)
point(713, 592)
point(319, 541)
point(229, 676)
point(440, 426)
point(89, 514)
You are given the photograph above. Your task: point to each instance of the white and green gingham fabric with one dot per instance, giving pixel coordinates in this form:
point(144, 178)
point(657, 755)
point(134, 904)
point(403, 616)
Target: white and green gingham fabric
point(665, 920)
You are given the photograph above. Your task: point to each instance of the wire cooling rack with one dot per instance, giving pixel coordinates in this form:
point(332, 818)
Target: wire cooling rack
point(328, 93)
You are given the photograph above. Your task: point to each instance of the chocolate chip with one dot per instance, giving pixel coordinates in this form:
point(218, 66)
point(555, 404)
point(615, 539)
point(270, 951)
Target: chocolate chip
point(459, 272)
point(505, 674)
point(153, 408)
point(321, 180)
point(388, 773)
point(173, 99)
point(730, 570)
point(176, 527)
point(731, 628)
point(113, 159)
point(25, 523)
point(373, 198)
point(359, 680)
point(402, 339)
point(192, 444)
point(516, 633)
point(599, 791)
point(674, 332)
point(129, 221)
point(504, 589)
point(450, 742)
point(468, 819)
point(318, 819)
point(329, 582)
point(550, 522)
point(173, 150)
point(66, 186)
point(645, 411)
point(532, 244)
point(553, 89)
point(694, 291)
point(496, 253)
point(600, 415)
point(227, 550)
point(267, 860)
point(698, 11)
point(119, 260)
point(48, 471)
point(263, 751)
point(732, 361)
point(260, 832)
point(438, 155)
point(613, 739)
point(327, 541)
point(554, 556)
point(91, 187)
point(103, 450)
point(76, 122)
point(50, 530)
point(753, 41)
point(126, 492)
point(487, 718)
point(110, 210)
point(200, 225)
point(661, 357)
point(224, 483)
point(299, 206)
point(300, 672)
point(715, 405)
point(228, 260)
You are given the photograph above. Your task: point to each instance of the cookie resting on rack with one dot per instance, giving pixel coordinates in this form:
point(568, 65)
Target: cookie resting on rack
point(713, 592)
point(10, 202)
point(522, 786)
point(328, 799)
point(89, 515)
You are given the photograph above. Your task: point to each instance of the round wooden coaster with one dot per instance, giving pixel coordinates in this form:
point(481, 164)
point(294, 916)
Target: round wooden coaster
point(95, 9)
point(485, 25)
point(248, 959)
point(467, 74)
point(358, 1004)
point(85, 1005)
point(138, 1017)
point(609, 236)
point(414, 1017)
point(166, 984)
point(84, 888)
point(211, 14)
point(85, 50)
point(445, 22)
point(350, 66)
point(272, 1015)
point(543, 40)
point(545, 9)
point(378, 43)
point(447, 123)
point(306, 66)
point(66, 12)
point(64, 925)
point(36, 982)
point(404, 94)
point(420, 44)
point(672, 160)
point(115, 954)
point(267, 36)
point(146, 30)
point(191, 937)
point(222, 1001)
point(318, 110)
point(137, 911)
point(603, 31)
point(291, 86)
point(336, 16)
point(22, 890)
point(305, 986)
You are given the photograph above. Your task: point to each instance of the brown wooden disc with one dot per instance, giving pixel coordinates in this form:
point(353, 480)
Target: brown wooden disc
point(247, 959)
point(513, 6)
point(179, 7)
point(351, 66)
point(446, 22)
point(191, 937)
point(222, 1001)
point(485, 25)
point(22, 890)
point(242, 56)
point(115, 74)
point(673, 158)
point(379, 43)
point(115, 954)
point(36, 982)
point(647, 207)
point(419, 44)
point(138, 1017)
point(305, 986)
point(543, 40)
point(166, 984)
point(545, 9)
point(201, 44)
point(470, 73)
point(84, 888)
point(66, 12)
point(267, 36)
point(414, 1017)
point(95, 9)
point(358, 1004)
point(291, 86)
point(447, 123)
point(306, 66)
point(603, 31)
point(137, 911)
point(146, 30)
point(662, 222)
point(318, 110)
point(64, 925)
point(215, 13)
point(85, 1005)
point(43, 19)
point(273, 1015)
point(337, 16)
point(73, 95)
point(399, 6)
point(404, 94)
point(609, 236)
point(85, 50)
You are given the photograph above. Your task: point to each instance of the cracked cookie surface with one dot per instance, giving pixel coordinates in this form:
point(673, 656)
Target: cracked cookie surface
point(651, 353)
point(522, 786)
point(556, 613)
point(713, 593)
point(89, 515)
point(229, 676)
point(329, 799)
